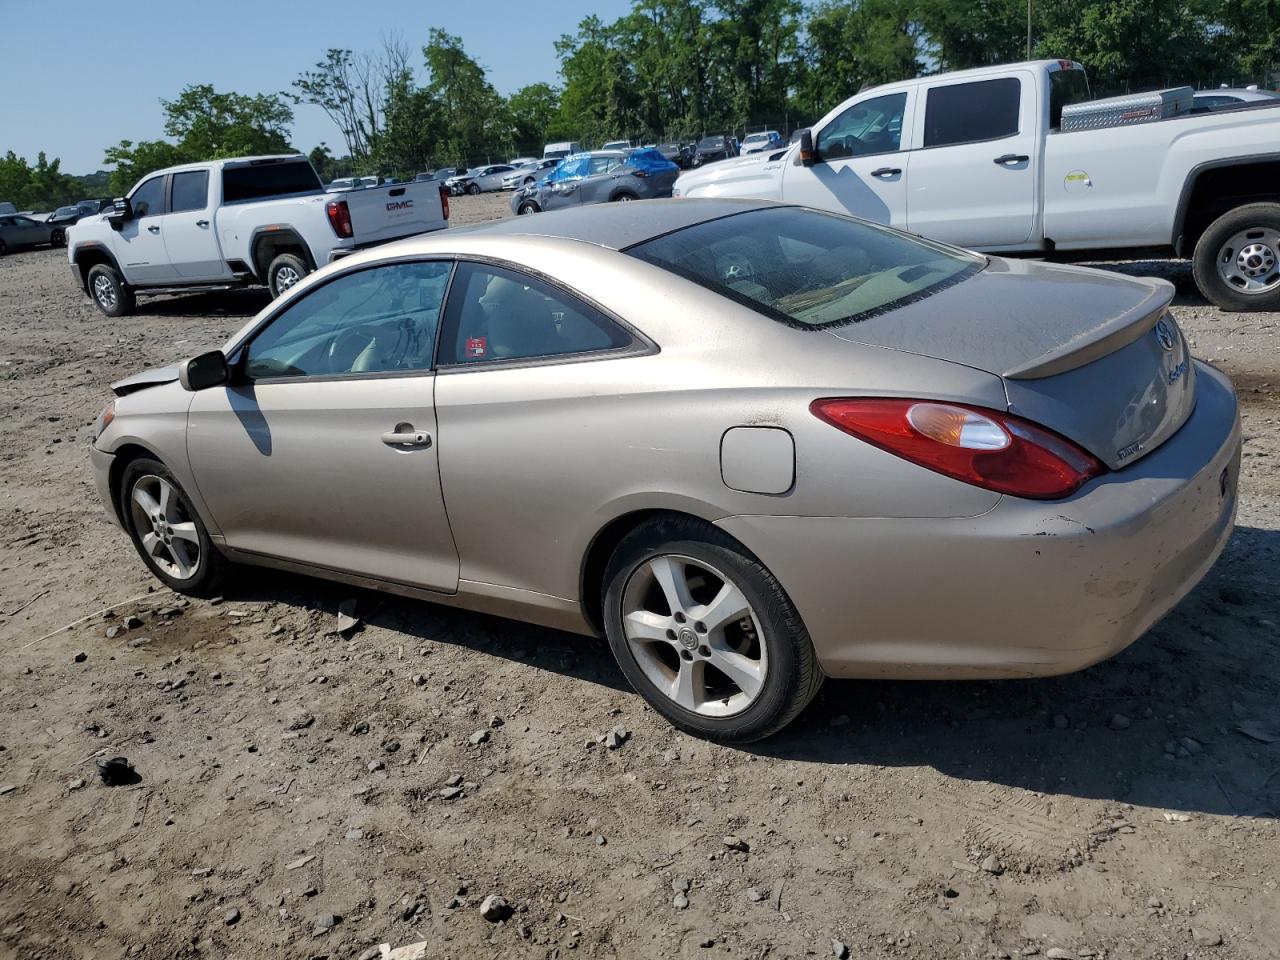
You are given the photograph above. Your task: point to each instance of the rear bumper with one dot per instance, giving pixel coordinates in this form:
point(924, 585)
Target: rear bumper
point(1028, 588)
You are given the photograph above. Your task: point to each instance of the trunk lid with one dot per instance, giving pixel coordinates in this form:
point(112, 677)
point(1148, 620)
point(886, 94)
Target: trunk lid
point(1093, 356)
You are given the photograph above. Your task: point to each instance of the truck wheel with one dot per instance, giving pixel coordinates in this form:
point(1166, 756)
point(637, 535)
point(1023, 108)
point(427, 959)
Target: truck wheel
point(285, 271)
point(109, 291)
point(473, 188)
point(1236, 263)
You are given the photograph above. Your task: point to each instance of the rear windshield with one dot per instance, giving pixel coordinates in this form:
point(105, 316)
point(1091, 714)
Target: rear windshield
point(260, 180)
point(806, 268)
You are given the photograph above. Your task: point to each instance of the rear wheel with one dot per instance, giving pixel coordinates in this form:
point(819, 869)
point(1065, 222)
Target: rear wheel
point(109, 291)
point(285, 271)
point(706, 634)
point(167, 532)
point(1236, 263)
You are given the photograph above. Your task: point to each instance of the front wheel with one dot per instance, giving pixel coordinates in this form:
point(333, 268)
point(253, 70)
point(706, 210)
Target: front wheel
point(109, 291)
point(706, 634)
point(285, 271)
point(473, 188)
point(624, 197)
point(527, 208)
point(167, 532)
point(1236, 263)
point(58, 238)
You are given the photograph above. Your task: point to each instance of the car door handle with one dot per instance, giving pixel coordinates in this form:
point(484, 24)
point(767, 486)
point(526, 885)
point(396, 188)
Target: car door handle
point(886, 171)
point(407, 437)
point(154, 229)
point(202, 223)
point(1011, 158)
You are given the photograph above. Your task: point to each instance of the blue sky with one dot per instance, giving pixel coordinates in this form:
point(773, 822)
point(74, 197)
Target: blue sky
point(81, 75)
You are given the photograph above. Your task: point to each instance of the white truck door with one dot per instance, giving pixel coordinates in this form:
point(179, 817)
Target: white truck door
point(861, 163)
point(139, 244)
point(974, 178)
point(189, 233)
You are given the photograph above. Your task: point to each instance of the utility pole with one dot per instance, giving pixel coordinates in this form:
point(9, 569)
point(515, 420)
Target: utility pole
point(1028, 29)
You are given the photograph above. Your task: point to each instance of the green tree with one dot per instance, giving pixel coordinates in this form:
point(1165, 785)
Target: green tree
point(853, 45)
point(474, 119)
point(40, 187)
point(974, 34)
point(535, 113)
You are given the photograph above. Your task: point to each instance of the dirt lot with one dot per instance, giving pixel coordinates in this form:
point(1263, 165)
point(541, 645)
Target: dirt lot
point(290, 798)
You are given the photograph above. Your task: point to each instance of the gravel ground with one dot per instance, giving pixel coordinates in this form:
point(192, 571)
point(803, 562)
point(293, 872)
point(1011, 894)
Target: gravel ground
point(305, 794)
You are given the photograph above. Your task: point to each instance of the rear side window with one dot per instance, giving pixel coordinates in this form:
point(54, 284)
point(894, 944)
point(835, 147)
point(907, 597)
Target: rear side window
point(190, 191)
point(972, 112)
point(1065, 88)
point(261, 180)
point(806, 268)
point(497, 314)
point(148, 199)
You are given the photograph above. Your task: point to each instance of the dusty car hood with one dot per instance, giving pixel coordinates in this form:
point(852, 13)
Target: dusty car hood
point(148, 378)
point(743, 165)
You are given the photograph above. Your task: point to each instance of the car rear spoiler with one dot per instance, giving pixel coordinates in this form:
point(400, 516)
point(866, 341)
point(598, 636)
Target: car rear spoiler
point(1107, 337)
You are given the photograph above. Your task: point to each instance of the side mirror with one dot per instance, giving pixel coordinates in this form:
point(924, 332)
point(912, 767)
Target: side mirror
point(806, 156)
point(120, 213)
point(207, 370)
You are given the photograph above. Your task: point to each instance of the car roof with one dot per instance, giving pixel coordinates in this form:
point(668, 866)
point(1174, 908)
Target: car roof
point(615, 226)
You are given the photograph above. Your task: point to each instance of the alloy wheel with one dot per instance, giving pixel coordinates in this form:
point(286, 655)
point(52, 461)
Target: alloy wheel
point(167, 533)
point(1249, 261)
point(286, 277)
point(104, 291)
point(694, 635)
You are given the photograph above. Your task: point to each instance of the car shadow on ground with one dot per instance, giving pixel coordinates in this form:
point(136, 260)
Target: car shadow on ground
point(214, 303)
point(1177, 272)
point(1182, 692)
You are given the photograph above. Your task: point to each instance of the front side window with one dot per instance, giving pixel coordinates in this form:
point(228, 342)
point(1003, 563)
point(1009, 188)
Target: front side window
point(971, 112)
point(498, 314)
point(867, 128)
point(190, 191)
point(148, 199)
point(379, 320)
point(806, 268)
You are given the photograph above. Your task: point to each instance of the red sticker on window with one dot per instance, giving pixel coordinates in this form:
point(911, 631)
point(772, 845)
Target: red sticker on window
point(476, 346)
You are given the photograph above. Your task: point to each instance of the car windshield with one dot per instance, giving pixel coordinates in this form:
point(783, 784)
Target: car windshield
point(753, 137)
point(807, 268)
point(710, 143)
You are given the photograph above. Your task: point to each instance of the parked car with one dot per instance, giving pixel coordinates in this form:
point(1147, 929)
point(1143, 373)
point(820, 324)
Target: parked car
point(559, 150)
point(765, 140)
point(18, 231)
point(6, 208)
point(253, 220)
point(617, 145)
point(444, 173)
point(479, 179)
point(528, 173)
point(678, 153)
point(1226, 98)
point(521, 161)
point(66, 217)
point(600, 176)
point(985, 172)
point(709, 529)
point(710, 149)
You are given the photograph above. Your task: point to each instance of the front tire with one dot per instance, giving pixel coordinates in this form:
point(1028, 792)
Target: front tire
point(706, 634)
point(527, 208)
point(1236, 263)
point(109, 291)
point(167, 532)
point(473, 189)
point(58, 238)
point(624, 197)
point(284, 272)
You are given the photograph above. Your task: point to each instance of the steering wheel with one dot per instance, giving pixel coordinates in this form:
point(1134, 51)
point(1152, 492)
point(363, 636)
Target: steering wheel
point(734, 267)
point(346, 347)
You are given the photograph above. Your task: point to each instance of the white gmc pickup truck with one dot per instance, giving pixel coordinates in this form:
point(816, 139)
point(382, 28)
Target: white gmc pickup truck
point(253, 220)
point(979, 158)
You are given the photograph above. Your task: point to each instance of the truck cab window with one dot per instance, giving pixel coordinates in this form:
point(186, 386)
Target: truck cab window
point(972, 112)
point(866, 128)
point(148, 199)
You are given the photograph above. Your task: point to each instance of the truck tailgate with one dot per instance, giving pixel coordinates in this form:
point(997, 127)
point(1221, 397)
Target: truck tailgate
point(394, 210)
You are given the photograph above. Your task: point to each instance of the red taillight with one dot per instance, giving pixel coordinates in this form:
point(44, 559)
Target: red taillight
point(987, 448)
point(339, 217)
point(444, 200)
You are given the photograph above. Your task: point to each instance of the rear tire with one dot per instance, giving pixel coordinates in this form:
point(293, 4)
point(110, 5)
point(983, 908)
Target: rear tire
point(109, 291)
point(167, 532)
point(1236, 263)
point(752, 632)
point(285, 271)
